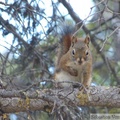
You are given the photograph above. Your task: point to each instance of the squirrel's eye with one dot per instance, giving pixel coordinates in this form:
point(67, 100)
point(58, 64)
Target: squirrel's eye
point(73, 52)
point(87, 53)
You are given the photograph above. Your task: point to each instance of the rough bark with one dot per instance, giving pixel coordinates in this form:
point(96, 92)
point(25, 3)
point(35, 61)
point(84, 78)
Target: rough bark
point(19, 101)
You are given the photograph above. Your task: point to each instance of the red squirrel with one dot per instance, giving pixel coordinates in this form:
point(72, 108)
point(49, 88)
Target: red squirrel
point(74, 59)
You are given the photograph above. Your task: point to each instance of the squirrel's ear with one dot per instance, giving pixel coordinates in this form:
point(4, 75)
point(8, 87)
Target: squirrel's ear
point(74, 40)
point(87, 40)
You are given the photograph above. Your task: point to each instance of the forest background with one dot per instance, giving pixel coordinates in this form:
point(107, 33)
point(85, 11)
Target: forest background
point(29, 36)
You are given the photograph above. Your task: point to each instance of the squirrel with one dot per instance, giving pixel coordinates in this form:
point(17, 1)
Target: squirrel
point(74, 59)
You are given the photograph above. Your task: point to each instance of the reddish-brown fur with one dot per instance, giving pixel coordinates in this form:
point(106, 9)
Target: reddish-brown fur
point(74, 61)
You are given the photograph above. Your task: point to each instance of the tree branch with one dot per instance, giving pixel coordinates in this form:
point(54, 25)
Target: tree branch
point(18, 101)
point(12, 29)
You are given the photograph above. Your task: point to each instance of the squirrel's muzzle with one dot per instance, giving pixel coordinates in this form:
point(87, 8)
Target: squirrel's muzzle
point(80, 60)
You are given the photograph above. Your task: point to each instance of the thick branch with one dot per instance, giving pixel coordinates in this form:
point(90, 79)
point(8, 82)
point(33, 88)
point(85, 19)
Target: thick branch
point(17, 101)
point(15, 104)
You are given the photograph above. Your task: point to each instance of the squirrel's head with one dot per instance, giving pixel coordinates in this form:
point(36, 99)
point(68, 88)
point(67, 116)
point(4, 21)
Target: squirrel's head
point(80, 51)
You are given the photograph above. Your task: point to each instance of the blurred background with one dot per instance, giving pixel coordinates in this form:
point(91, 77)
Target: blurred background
point(29, 36)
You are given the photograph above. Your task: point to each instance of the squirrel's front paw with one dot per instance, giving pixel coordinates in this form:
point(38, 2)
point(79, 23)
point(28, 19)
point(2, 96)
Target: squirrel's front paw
point(73, 72)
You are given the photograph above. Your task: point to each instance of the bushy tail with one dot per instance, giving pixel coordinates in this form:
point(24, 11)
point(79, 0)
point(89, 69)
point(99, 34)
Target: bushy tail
point(67, 32)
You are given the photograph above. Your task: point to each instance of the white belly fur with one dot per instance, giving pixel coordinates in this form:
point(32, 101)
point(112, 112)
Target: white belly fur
point(64, 76)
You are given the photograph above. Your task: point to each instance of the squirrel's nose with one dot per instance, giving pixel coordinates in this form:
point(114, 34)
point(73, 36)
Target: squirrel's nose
point(80, 60)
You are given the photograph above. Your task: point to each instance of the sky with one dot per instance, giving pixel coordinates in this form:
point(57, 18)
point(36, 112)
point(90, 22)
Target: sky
point(81, 7)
